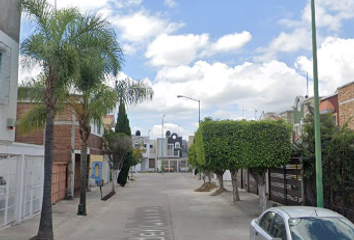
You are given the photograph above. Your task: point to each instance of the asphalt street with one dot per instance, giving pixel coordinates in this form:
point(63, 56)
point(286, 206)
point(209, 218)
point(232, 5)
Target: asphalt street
point(153, 207)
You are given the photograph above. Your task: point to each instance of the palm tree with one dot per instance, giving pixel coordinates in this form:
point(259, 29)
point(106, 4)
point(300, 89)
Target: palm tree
point(100, 55)
point(66, 44)
point(50, 46)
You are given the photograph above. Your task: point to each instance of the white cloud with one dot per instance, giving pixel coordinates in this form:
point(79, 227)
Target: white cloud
point(83, 5)
point(175, 50)
point(141, 26)
point(286, 43)
point(330, 14)
point(170, 3)
point(335, 64)
point(228, 43)
point(168, 50)
point(270, 87)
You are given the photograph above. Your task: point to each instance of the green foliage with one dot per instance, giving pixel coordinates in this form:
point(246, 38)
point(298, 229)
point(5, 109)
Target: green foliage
point(337, 160)
point(122, 125)
point(137, 156)
point(124, 172)
point(228, 144)
point(116, 146)
point(266, 144)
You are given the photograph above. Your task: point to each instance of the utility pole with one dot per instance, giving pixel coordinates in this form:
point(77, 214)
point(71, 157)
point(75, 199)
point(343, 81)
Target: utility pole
point(319, 184)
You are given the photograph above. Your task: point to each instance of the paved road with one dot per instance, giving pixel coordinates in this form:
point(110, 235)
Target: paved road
point(154, 207)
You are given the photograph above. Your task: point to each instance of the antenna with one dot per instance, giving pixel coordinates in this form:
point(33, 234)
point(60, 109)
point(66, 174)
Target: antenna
point(307, 83)
point(315, 212)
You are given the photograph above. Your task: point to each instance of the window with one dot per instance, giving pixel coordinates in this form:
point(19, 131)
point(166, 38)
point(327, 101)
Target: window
point(144, 145)
point(170, 149)
point(278, 228)
point(151, 146)
point(5, 70)
point(266, 221)
point(151, 163)
point(99, 128)
point(177, 145)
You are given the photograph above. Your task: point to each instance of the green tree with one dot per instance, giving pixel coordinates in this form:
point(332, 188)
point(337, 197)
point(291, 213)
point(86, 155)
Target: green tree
point(122, 126)
point(129, 92)
point(265, 144)
point(51, 46)
point(95, 100)
point(337, 154)
point(116, 146)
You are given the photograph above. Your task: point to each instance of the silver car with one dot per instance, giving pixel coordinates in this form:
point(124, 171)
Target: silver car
point(301, 223)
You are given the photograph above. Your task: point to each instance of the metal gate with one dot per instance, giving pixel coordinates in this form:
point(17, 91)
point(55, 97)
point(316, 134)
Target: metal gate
point(32, 186)
point(285, 184)
point(8, 189)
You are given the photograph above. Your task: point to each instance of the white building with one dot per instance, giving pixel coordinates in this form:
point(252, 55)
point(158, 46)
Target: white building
point(149, 163)
point(21, 165)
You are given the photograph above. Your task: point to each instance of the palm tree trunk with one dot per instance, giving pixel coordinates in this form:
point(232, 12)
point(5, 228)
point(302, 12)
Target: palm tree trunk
point(45, 231)
point(83, 180)
point(84, 135)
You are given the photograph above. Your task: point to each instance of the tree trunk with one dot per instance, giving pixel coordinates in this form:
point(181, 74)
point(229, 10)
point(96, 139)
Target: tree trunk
point(85, 131)
point(221, 189)
point(209, 176)
point(114, 180)
point(45, 230)
point(83, 180)
point(260, 180)
point(234, 185)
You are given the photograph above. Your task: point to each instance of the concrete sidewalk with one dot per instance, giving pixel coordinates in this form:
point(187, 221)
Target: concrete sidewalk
point(101, 214)
point(64, 216)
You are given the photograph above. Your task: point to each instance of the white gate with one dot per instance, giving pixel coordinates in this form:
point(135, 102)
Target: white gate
point(8, 189)
point(32, 186)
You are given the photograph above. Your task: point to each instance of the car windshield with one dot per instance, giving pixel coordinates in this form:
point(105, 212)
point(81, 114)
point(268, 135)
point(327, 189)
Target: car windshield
point(312, 228)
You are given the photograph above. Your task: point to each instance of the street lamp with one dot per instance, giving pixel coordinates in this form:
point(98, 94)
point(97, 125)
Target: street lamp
point(181, 96)
point(197, 100)
point(162, 128)
point(319, 184)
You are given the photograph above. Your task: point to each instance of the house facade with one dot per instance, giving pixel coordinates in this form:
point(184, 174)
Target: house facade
point(148, 163)
point(66, 157)
point(21, 165)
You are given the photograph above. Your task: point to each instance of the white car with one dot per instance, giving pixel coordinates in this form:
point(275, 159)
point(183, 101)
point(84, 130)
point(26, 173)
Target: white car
point(301, 223)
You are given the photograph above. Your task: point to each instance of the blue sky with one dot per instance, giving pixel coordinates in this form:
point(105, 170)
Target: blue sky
point(229, 54)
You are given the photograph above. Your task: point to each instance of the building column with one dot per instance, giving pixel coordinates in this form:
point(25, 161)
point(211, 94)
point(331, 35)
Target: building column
point(177, 165)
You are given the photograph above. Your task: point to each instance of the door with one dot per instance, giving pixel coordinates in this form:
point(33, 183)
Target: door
point(8, 189)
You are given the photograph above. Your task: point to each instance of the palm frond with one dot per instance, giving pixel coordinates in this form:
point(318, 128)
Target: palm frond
point(33, 120)
point(133, 92)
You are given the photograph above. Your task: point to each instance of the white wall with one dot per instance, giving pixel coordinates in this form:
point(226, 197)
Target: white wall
point(9, 110)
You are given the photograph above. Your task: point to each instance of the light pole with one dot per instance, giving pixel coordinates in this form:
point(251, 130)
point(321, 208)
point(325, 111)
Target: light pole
point(163, 122)
point(197, 100)
point(319, 184)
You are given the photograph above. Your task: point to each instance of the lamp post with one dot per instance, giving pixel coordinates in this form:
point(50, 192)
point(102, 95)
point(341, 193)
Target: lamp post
point(163, 122)
point(319, 184)
point(196, 100)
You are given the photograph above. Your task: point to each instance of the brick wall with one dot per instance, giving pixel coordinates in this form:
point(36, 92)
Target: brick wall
point(62, 135)
point(346, 104)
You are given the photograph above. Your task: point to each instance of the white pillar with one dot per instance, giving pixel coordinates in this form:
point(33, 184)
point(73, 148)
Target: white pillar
point(177, 165)
point(169, 165)
point(20, 188)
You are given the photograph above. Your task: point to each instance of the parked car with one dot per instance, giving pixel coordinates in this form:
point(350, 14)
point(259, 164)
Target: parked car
point(301, 223)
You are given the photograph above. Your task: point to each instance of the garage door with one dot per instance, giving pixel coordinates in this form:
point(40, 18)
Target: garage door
point(59, 189)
